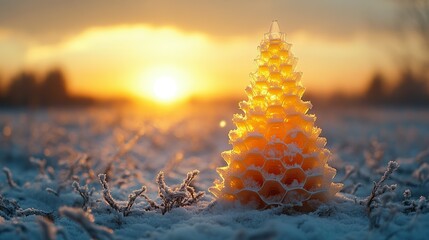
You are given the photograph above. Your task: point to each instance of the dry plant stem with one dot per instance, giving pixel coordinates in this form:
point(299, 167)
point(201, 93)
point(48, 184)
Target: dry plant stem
point(132, 198)
point(9, 178)
point(114, 204)
point(41, 163)
point(50, 190)
point(83, 192)
point(391, 167)
point(183, 195)
point(106, 193)
point(86, 221)
point(10, 209)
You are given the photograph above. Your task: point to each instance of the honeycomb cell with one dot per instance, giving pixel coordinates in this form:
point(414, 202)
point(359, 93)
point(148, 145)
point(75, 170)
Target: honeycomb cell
point(296, 196)
point(254, 159)
point(283, 54)
point(314, 183)
point(258, 102)
point(251, 199)
point(292, 160)
point(285, 69)
point(288, 86)
point(276, 112)
point(253, 179)
point(289, 101)
point(236, 167)
point(234, 183)
point(273, 100)
point(239, 147)
point(301, 140)
point(265, 55)
point(275, 76)
point(294, 177)
point(275, 130)
point(274, 167)
point(275, 60)
point(264, 70)
point(310, 163)
point(275, 46)
point(272, 192)
point(276, 90)
point(259, 91)
point(260, 82)
point(275, 150)
point(255, 142)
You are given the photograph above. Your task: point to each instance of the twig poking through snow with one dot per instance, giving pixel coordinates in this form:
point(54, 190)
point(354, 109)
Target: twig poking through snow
point(84, 193)
point(9, 178)
point(41, 163)
point(50, 190)
point(10, 208)
point(132, 198)
point(183, 195)
point(391, 167)
point(114, 204)
point(86, 221)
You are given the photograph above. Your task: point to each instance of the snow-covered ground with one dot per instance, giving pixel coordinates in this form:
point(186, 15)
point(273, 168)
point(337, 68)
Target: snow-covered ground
point(134, 144)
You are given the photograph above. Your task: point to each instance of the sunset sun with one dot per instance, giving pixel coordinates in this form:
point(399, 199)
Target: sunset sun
point(165, 88)
point(164, 84)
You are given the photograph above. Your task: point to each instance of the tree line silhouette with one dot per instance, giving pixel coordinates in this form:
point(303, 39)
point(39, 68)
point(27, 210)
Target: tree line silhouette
point(25, 90)
point(410, 90)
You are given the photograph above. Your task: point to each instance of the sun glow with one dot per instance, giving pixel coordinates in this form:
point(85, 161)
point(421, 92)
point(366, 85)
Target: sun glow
point(164, 84)
point(165, 88)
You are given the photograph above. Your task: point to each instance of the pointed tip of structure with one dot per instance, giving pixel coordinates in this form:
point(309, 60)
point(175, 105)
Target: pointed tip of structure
point(274, 32)
point(274, 28)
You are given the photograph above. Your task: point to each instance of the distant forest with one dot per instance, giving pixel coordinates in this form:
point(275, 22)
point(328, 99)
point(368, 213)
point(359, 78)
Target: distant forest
point(25, 90)
point(409, 90)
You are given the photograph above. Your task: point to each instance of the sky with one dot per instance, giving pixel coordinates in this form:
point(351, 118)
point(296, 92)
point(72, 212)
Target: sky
point(199, 48)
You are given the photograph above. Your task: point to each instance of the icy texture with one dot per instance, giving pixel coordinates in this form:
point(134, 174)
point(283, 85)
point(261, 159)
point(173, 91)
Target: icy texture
point(177, 143)
point(277, 156)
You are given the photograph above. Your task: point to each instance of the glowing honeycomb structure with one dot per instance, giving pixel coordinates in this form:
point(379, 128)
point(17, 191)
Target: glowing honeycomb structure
point(277, 156)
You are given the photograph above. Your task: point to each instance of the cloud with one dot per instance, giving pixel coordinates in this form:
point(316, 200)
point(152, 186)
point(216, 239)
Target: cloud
point(54, 20)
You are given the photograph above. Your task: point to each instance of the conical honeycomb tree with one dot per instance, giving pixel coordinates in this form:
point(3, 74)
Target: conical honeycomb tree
point(277, 156)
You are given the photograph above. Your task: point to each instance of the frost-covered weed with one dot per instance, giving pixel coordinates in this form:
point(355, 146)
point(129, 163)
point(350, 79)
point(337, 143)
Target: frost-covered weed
point(10, 209)
point(120, 207)
point(9, 177)
point(180, 196)
point(85, 193)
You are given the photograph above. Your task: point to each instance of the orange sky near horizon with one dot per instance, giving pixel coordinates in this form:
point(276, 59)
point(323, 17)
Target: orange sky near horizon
point(138, 58)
